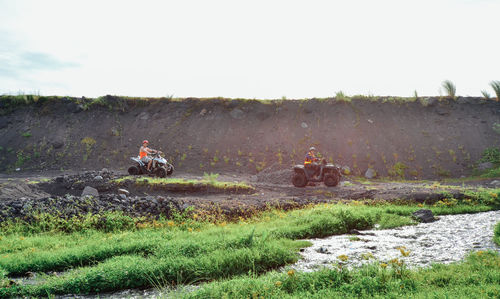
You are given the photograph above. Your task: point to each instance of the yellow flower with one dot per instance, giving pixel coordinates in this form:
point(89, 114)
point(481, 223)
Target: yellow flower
point(278, 283)
point(383, 265)
point(21, 238)
point(343, 257)
point(403, 251)
point(170, 223)
point(195, 216)
point(223, 224)
point(290, 272)
point(480, 252)
point(190, 229)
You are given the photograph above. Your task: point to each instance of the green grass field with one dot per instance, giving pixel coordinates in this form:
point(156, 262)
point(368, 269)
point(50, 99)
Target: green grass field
point(233, 259)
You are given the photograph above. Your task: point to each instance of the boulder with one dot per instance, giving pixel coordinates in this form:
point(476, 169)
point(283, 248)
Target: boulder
point(424, 215)
point(370, 173)
point(90, 191)
point(98, 178)
point(495, 183)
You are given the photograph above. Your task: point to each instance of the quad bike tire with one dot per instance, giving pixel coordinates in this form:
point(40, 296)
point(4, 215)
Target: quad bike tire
point(161, 172)
point(331, 179)
point(170, 170)
point(133, 170)
point(299, 180)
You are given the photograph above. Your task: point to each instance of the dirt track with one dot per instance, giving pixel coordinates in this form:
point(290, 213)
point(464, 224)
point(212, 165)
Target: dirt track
point(19, 191)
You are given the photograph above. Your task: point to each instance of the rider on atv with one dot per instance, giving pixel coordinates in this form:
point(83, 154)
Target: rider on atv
point(144, 151)
point(311, 160)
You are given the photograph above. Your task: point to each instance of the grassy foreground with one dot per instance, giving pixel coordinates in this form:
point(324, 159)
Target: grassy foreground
point(185, 250)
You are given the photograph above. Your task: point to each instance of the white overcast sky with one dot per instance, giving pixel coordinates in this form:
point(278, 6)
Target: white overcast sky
point(250, 49)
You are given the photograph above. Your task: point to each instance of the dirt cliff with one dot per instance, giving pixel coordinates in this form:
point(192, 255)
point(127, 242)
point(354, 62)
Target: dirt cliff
point(405, 137)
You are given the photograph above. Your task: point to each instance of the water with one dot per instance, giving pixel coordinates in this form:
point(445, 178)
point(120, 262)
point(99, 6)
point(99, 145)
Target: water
point(447, 240)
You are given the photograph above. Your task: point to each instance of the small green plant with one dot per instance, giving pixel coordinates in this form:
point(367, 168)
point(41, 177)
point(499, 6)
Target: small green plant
point(211, 178)
point(491, 154)
point(450, 88)
point(26, 134)
point(485, 94)
point(496, 87)
point(340, 96)
point(88, 143)
point(398, 170)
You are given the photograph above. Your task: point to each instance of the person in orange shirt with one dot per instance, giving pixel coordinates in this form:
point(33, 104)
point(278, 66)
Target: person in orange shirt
point(311, 160)
point(144, 151)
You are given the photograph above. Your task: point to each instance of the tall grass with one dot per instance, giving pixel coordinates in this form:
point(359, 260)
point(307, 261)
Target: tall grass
point(477, 277)
point(496, 87)
point(485, 94)
point(449, 88)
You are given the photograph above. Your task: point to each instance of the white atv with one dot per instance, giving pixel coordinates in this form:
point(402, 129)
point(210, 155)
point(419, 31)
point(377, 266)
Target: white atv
point(160, 166)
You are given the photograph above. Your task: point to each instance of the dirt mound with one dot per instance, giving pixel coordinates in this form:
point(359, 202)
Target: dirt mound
point(276, 174)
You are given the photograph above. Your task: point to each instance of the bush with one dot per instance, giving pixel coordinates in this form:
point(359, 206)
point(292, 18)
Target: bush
point(491, 154)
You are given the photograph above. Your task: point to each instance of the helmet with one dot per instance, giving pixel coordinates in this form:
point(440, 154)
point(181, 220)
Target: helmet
point(312, 148)
point(145, 141)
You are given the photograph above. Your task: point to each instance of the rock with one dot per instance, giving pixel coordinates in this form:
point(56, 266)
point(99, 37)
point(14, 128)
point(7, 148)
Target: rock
point(424, 215)
point(57, 144)
point(485, 166)
point(237, 113)
point(98, 178)
point(123, 191)
point(90, 191)
point(495, 183)
point(104, 170)
point(322, 250)
point(143, 116)
point(203, 111)
point(123, 196)
point(346, 170)
point(370, 173)
point(304, 125)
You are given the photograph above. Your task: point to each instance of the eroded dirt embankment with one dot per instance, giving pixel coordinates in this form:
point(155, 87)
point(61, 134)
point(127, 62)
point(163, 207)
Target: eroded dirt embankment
point(425, 138)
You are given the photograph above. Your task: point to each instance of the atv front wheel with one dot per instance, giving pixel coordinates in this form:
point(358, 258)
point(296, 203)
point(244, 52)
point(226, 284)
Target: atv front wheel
point(133, 170)
point(331, 180)
point(299, 180)
point(170, 170)
point(161, 172)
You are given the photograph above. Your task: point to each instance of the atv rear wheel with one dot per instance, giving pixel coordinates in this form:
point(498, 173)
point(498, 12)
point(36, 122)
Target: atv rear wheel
point(133, 170)
point(299, 180)
point(161, 172)
point(331, 179)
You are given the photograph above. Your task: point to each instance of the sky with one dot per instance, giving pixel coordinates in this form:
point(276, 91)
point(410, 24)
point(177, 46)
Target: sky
point(248, 49)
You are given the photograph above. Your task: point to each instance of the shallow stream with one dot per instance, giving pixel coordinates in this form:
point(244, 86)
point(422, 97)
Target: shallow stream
point(444, 241)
